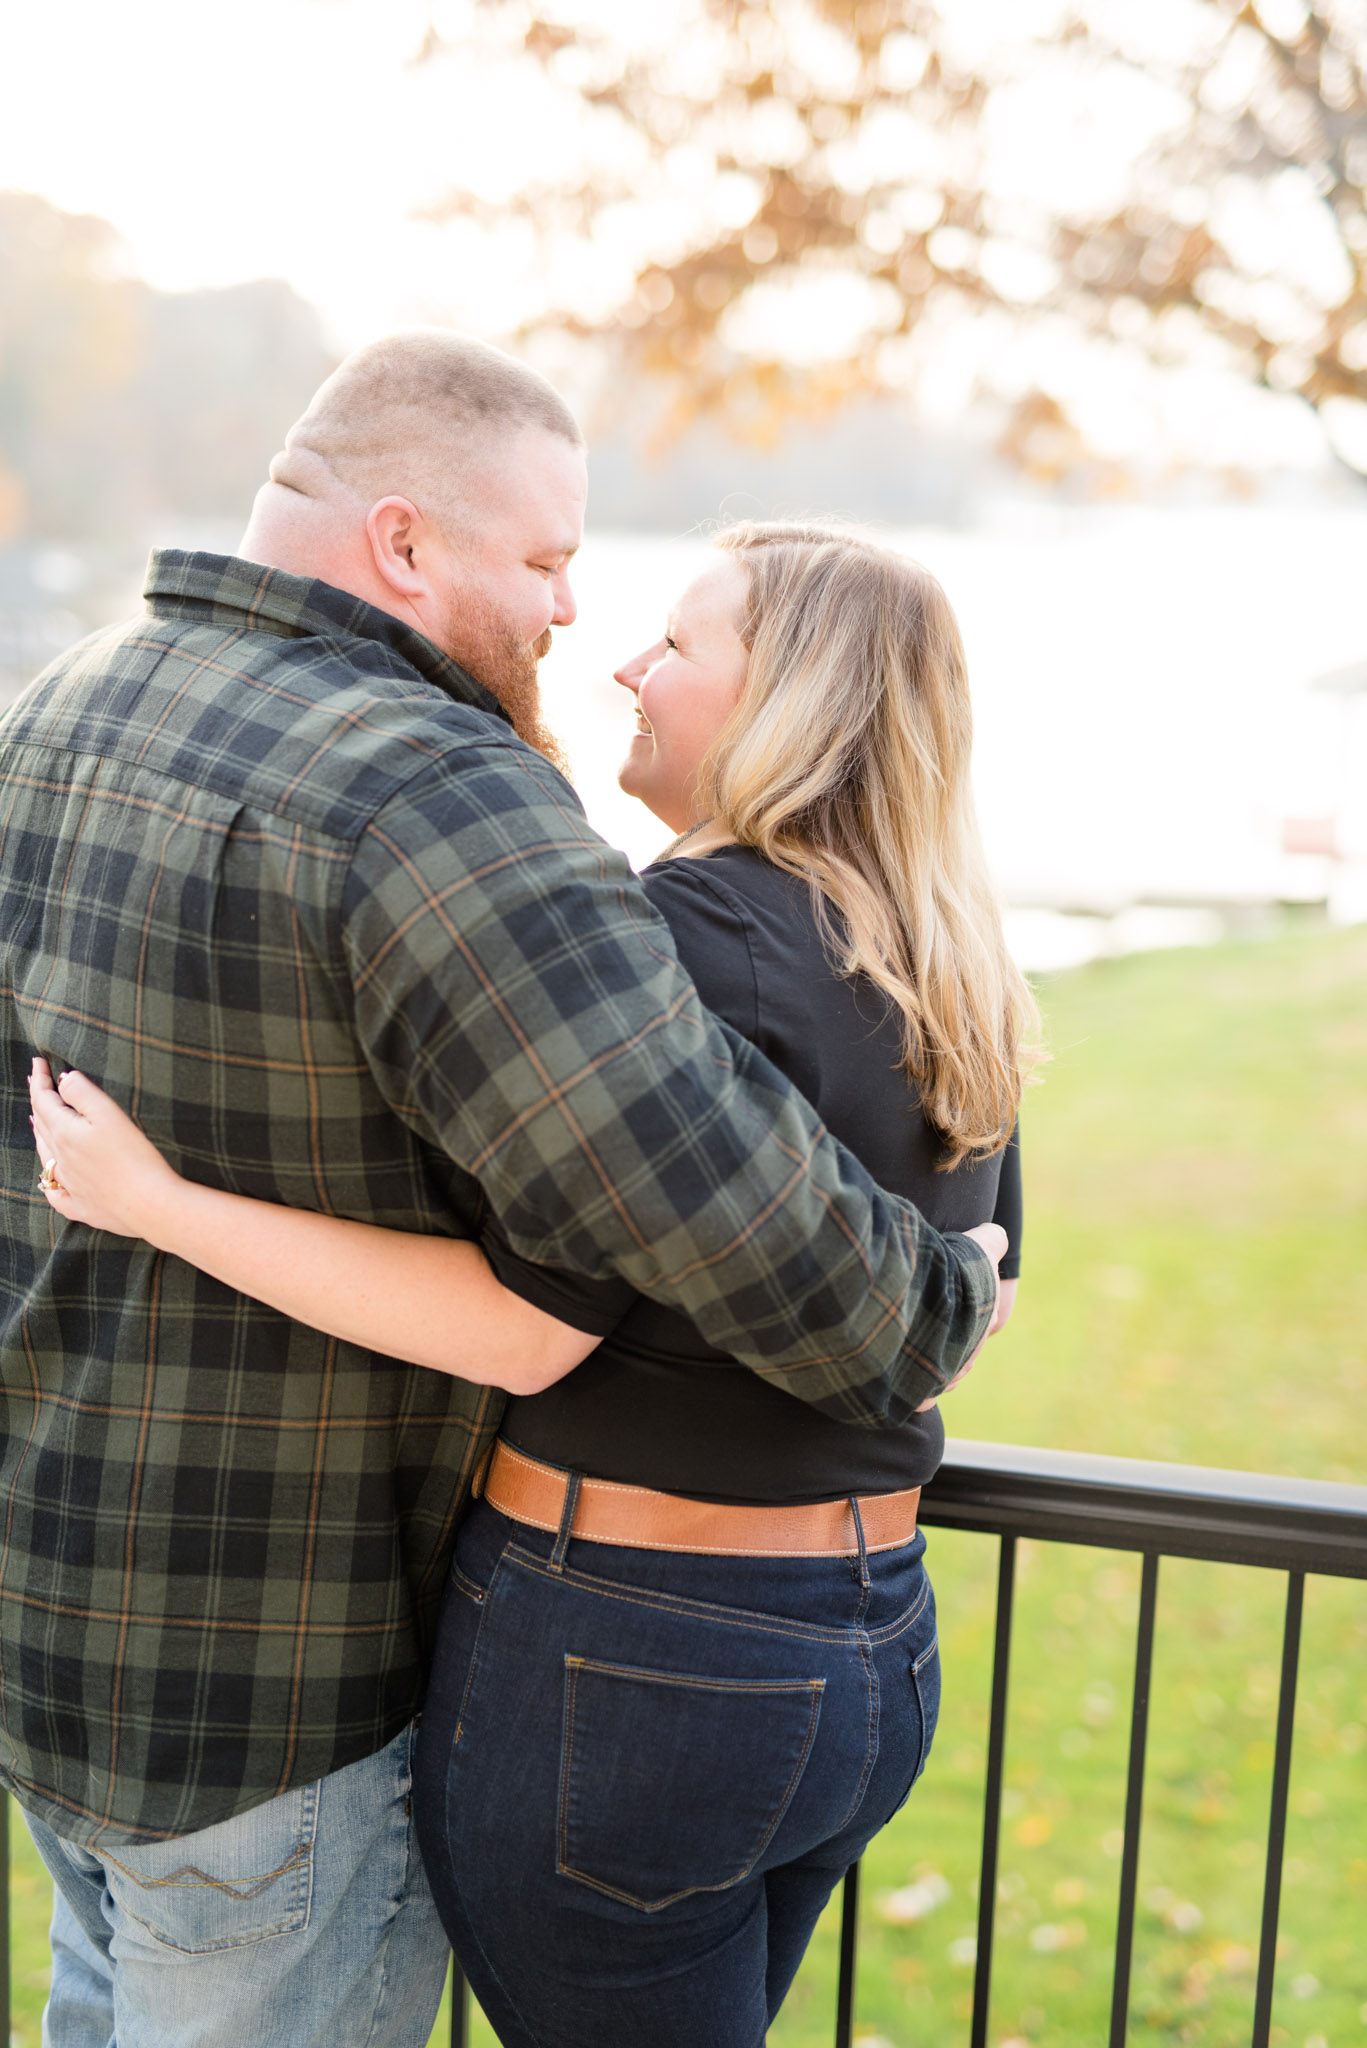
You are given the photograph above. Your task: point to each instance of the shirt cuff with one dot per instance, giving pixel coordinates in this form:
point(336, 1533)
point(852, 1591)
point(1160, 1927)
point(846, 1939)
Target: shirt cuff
point(594, 1306)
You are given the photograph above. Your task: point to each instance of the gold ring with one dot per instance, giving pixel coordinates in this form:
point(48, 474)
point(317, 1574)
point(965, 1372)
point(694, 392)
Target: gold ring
point(47, 1179)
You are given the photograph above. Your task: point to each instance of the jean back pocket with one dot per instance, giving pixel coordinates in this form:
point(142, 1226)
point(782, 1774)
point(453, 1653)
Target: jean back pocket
point(243, 1880)
point(671, 1783)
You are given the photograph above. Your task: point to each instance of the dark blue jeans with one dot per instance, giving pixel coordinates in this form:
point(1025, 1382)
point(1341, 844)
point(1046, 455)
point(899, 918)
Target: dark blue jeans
point(641, 1774)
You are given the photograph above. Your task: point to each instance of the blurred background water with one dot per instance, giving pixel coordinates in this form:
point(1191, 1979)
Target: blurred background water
point(1156, 763)
point(1145, 725)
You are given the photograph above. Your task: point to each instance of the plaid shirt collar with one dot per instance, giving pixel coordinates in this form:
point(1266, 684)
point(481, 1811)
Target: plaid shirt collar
point(233, 594)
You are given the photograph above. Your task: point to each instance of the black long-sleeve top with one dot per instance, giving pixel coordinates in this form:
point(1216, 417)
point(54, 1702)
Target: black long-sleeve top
point(657, 1406)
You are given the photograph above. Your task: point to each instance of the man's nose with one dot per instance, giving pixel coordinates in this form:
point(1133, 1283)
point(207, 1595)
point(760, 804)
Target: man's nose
point(566, 608)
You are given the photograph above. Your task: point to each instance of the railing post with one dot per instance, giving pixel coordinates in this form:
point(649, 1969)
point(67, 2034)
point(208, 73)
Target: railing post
point(460, 2006)
point(1276, 1825)
point(4, 1922)
point(849, 1943)
point(1134, 1801)
point(992, 1795)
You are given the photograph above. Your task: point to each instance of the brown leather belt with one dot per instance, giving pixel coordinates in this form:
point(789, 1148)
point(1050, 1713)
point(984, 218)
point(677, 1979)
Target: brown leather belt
point(644, 1520)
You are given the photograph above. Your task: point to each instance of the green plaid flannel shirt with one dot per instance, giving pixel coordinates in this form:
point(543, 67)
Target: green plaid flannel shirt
point(280, 876)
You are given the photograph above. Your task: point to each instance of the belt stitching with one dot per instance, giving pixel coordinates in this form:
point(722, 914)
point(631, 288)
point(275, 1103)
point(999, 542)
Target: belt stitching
point(538, 1465)
point(699, 1549)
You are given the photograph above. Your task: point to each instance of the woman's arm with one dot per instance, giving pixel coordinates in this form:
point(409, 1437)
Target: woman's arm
point(431, 1300)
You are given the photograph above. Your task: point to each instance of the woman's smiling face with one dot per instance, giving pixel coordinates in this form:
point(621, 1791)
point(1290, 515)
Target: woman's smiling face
point(686, 687)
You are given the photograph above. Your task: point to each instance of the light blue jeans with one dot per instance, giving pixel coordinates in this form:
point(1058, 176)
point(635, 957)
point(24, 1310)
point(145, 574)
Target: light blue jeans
point(306, 1923)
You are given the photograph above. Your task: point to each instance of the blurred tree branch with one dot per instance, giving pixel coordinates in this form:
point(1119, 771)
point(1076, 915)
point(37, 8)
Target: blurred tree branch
point(853, 138)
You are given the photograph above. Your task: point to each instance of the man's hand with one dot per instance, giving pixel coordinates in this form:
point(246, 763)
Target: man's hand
point(993, 1240)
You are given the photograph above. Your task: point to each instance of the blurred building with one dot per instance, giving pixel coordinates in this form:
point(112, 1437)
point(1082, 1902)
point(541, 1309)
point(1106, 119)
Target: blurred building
point(1337, 838)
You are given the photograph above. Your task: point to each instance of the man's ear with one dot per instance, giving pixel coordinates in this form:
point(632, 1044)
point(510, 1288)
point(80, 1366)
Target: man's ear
point(397, 531)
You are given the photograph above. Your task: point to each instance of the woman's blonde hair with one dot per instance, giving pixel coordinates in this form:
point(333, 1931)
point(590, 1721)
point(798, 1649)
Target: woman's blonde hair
point(846, 762)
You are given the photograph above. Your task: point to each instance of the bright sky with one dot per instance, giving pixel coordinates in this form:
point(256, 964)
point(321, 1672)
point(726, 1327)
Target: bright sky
point(283, 138)
point(296, 138)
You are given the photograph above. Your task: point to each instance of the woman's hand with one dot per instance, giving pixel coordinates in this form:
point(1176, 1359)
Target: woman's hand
point(994, 1242)
point(98, 1167)
point(1006, 1301)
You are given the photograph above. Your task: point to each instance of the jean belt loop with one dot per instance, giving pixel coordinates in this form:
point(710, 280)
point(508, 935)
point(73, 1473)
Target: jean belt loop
point(562, 1541)
point(865, 1581)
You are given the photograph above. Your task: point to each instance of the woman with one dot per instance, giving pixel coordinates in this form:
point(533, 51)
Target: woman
point(687, 1664)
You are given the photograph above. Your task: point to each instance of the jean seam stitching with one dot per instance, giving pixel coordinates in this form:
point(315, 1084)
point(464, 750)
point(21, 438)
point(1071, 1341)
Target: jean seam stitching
point(698, 1681)
point(717, 1615)
point(890, 1631)
point(475, 1649)
point(409, 1850)
point(689, 1609)
point(470, 1587)
point(573, 1666)
point(865, 1649)
point(924, 1755)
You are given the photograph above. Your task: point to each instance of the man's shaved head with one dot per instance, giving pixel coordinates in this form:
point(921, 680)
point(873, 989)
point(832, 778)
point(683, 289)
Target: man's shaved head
point(419, 414)
point(443, 481)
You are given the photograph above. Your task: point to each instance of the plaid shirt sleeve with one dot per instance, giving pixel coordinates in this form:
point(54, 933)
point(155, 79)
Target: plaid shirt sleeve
point(522, 1008)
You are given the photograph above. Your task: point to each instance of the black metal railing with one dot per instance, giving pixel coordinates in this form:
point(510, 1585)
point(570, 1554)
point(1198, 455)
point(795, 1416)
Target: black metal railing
point(1294, 1526)
point(1289, 1525)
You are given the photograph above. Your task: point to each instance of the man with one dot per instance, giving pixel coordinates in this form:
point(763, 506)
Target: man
point(314, 904)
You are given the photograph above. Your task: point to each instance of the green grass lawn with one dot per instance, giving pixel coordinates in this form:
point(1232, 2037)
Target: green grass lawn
point(1195, 1289)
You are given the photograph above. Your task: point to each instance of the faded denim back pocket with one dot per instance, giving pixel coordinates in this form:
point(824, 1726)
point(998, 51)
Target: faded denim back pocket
point(672, 1783)
point(243, 1880)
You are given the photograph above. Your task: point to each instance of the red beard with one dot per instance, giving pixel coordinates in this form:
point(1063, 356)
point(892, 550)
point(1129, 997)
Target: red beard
point(482, 641)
